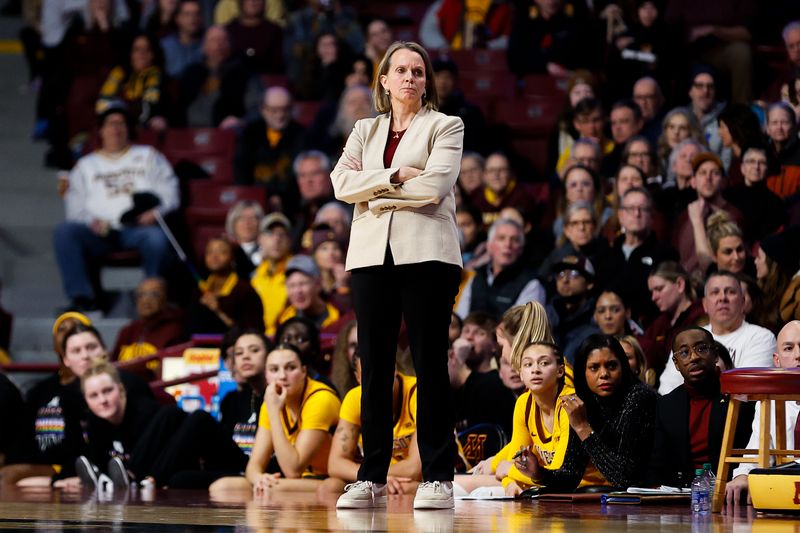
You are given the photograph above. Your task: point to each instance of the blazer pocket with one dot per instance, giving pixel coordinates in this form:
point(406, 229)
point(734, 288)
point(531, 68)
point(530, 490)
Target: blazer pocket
point(435, 215)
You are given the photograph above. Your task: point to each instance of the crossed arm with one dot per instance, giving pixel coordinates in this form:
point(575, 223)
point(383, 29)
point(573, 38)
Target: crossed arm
point(403, 187)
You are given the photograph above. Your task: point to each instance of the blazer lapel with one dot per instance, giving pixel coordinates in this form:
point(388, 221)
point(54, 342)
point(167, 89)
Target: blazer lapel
point(375, 157)
point(682, 426)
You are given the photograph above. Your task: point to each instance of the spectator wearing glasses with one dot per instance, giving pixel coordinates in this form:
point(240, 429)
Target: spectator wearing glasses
point(304, 293)
point(640, 153)
point(589, 122)
point(158, 325)
point(579, 237)
point(471, 176)
point(749, 345)
point(268, 145)
point(637, 250)
point(739, 128)
point(762, 208)
point(648, 96)
point(690, 420)
point(303, 334)
point(587, 152)
point(581, 184)
point(500, 189)
point(784, 149)
point(505, 280)
point(705, 107)
point(571, 310)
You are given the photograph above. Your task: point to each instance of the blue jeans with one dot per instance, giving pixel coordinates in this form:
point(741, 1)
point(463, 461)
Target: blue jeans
point(76, 244)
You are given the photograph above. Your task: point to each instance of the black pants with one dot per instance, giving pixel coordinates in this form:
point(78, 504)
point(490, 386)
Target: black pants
point(176, 444)
point(423, 295)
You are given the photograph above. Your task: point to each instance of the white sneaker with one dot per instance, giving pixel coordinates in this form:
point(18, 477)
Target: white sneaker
point(434, 495)
point(362, 495)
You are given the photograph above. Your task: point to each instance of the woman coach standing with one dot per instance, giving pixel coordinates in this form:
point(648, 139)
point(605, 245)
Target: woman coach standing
point(399, 170)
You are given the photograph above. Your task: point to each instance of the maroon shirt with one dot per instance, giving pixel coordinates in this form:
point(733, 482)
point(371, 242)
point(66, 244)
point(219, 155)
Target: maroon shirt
point(391, 147)
point(683, 234)
point(699, 417)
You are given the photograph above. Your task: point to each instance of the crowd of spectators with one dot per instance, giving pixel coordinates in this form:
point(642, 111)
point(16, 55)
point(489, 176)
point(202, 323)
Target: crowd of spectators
point(663, 211)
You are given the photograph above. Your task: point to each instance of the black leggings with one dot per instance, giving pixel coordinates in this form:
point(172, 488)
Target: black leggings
point(423, 295)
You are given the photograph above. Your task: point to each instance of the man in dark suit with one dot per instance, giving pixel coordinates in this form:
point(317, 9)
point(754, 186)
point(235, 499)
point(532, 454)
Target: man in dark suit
point(690, 421)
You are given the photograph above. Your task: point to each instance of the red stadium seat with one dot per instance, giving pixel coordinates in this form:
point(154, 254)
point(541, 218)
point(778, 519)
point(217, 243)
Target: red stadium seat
point(275, 80)
point(306, 112)
point(406, 32)
point(478, 85)
point(210, 149)
point(144, 136)
point(485, 61)
point(534, 117)
point(209, 202)
point(196, 142)
point(544, 85)
point(80, 101)
point(397, 13)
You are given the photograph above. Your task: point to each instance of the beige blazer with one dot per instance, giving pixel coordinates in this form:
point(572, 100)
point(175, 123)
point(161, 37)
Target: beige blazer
point(416, 218)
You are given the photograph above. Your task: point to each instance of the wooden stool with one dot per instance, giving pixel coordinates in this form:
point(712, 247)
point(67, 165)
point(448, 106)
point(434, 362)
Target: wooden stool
point(765, 385)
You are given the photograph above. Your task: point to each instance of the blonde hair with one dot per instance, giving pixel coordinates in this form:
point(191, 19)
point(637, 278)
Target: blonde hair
point(380, 97)
point(719, 226)
point(99, 368)
point(524, 325)
point(236, 212)
point(646, 375)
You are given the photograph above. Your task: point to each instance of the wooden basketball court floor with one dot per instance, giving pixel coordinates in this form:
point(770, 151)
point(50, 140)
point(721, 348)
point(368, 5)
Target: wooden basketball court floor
point(175, 510)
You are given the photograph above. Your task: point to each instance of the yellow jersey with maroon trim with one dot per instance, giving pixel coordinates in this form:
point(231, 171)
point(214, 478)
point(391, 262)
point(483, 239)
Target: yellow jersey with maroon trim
point(406, 423)
point(529, 430)
point(318, 410)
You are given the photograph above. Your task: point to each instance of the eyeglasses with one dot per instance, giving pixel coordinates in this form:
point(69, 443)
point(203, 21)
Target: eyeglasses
point(702, 349)
point(635, 209)
point(571, 274)
point(756, 162)
point(698, 85)
point(581, 223)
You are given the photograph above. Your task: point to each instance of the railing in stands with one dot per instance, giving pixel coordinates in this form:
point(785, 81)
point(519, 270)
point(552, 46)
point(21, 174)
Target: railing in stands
point(135, 364)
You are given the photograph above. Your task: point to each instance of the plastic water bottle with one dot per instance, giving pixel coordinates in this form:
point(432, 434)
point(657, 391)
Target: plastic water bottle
point(700, 492)
point(711, 478)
